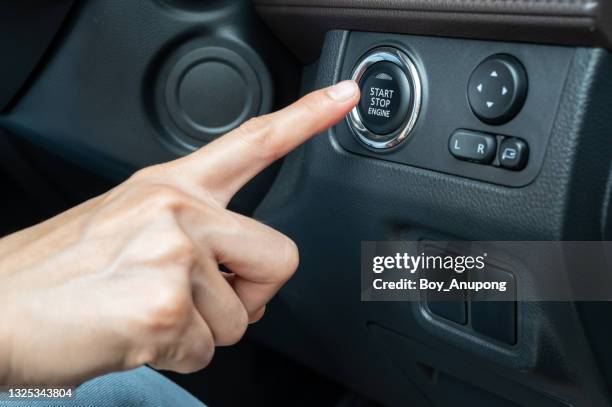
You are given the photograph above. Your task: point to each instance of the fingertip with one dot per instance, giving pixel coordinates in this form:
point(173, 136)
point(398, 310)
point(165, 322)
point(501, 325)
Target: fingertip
point(343, 91)
point(257, 315)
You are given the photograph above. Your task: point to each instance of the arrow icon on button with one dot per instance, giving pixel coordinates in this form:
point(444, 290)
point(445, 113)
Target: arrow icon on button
point(504, 90)
point(490, 104)
point(479, 87)
point(494, 74)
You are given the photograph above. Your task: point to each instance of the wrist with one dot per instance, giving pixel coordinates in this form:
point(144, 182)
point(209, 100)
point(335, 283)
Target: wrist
point(6, 342)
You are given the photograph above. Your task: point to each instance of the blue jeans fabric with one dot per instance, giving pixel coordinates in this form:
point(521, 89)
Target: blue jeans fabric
point(142, 387)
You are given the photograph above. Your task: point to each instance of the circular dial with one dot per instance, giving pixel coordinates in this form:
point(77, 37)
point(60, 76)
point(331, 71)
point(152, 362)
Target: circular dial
point(385, 97)
point(497, 89)
point(390, 98)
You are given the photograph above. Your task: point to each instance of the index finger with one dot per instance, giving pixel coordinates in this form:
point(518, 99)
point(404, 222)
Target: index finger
point(229, 162)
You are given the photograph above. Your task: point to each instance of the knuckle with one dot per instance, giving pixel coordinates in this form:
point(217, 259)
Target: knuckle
point(170, 252)
point(258, 315)
point(255, 126)
point(197, 357)
point(168, 310)
point(139, 203)
point(259, 133)
point(229, 226)
point(162, 197)
point(203, 355)
point(289, 259)
point(236, 326)
point(184, 249)
point(311, 107)
point(292, 256)
point(146, 173)
point(186, 353)
point(142, 355)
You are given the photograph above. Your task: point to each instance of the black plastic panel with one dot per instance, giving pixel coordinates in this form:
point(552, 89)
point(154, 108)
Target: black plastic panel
point(99, 99)
point(27, 27)
point(445, 66)
point(329, 199)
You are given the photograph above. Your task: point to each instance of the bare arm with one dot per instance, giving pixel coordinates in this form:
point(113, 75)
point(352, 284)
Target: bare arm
point(131, 277)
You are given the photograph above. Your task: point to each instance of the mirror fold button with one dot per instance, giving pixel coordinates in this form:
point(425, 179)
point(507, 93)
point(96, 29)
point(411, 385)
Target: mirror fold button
point(473, 146)
point(513, 154)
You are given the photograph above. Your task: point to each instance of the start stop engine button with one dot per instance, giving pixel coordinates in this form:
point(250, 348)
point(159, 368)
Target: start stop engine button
point(390, 98)
point(385, 97)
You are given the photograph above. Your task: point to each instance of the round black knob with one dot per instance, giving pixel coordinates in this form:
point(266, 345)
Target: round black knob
point(390, 98)
point(497, 89)
point(385, 97)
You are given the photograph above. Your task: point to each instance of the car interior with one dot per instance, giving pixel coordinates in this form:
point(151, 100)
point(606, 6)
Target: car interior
point(479, 120)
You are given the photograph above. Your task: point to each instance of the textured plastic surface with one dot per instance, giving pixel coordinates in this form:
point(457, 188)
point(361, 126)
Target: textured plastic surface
point(95, 100)
point(27, 27)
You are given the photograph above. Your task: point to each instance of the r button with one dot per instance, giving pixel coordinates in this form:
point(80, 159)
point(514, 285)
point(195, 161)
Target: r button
point(472, 146)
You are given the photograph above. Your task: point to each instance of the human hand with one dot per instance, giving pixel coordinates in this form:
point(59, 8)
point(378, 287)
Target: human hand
point(132, 277)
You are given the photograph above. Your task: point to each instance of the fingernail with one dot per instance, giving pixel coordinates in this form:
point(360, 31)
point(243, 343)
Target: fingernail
point(343, 91)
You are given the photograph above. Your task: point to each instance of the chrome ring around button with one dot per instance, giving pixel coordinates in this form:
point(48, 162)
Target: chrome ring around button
point(367, 137)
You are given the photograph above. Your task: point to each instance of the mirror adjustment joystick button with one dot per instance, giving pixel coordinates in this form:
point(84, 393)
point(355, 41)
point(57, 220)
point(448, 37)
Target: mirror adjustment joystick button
point(497, 89)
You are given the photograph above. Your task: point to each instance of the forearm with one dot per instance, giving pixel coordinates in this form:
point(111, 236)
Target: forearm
point(21, 256)
point(27, 247)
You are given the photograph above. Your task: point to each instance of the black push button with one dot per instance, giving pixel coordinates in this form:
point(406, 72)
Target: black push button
point(453, 310)
point(494, 314)
point(513, 154)
point(497, 89)
point(452, 304)
point(385, 97)
point(472, 146)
